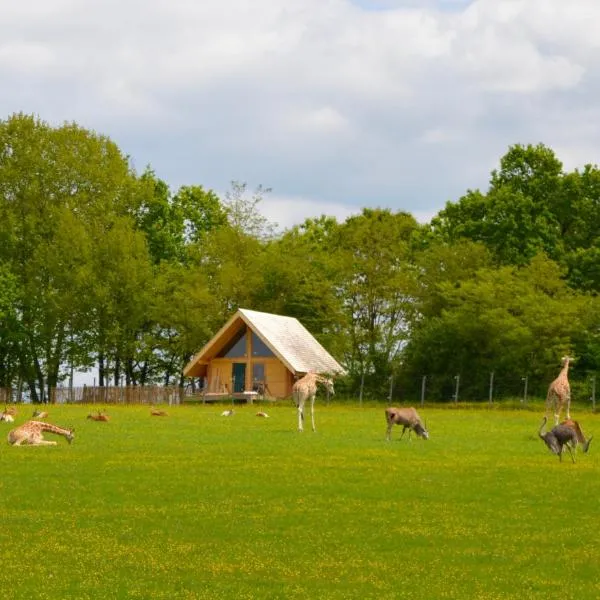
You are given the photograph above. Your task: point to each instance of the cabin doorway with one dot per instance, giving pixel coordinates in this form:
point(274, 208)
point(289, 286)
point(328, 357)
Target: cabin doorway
point(239, 377)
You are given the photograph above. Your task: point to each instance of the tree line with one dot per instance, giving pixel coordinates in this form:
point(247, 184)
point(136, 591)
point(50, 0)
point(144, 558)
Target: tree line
point(101, 265)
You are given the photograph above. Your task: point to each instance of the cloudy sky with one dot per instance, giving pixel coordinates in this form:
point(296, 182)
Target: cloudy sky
point(334, 104)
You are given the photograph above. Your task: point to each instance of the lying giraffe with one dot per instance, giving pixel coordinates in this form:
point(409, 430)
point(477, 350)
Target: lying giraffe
point(559, 392)
point(31, 433)
point(305, 389)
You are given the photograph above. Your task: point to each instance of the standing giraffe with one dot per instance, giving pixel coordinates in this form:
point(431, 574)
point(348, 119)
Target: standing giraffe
point(31, 433)
point(306, 388)
point(559, 392)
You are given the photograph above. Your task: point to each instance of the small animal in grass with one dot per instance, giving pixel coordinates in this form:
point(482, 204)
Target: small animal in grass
point(9, 411)
point(408, 418)
point(263, 415)
point(31, 433)
point(39, 414)
point(100, 416)
point(559, 438)
point(228, 413)
point(158, 413)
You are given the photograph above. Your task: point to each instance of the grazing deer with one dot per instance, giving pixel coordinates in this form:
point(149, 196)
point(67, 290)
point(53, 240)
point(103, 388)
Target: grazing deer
point(39, 414)
point(99, 417)
point(31, 433)
point(158, 413)
point(574, 425)
point(263, 415)
point(408, 418)
point(306, 389)
point(559, 438)
point(228, 413)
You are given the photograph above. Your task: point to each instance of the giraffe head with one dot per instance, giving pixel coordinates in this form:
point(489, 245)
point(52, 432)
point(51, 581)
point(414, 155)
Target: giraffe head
point(327, 384)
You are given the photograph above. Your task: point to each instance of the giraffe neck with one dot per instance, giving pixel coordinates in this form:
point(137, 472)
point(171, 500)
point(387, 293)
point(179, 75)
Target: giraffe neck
point(66, 433)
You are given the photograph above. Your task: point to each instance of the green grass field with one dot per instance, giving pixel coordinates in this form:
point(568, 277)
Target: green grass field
point(201, 506)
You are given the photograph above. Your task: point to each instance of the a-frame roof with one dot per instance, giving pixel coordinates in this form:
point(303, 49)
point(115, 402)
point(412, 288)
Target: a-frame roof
point(286, 337)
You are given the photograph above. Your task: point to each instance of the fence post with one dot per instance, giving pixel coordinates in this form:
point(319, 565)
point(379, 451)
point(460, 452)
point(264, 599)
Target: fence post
point(457, 378)
point(491, 393)
point(360, 393)
point(524, 401)
point(423, 385)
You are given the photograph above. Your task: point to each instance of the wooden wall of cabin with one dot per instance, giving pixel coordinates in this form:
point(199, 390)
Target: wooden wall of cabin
point(277, 377)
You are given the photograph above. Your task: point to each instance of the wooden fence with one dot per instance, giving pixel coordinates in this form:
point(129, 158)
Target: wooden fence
point(103, 395)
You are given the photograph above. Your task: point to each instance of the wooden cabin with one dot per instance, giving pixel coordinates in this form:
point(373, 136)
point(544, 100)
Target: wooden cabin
point(257, 354)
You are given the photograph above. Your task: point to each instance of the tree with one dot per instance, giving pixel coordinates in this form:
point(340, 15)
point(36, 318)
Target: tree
point(60, 188)
point(377, 291)
point(243, 212)
point(519, 217)
point(510, 320)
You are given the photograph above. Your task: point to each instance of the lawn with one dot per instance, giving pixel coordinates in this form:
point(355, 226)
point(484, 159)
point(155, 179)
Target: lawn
point(199, 506)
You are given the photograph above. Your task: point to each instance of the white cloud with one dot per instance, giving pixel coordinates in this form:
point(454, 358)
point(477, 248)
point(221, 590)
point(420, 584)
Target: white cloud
point(399, 103)
point(287, 212)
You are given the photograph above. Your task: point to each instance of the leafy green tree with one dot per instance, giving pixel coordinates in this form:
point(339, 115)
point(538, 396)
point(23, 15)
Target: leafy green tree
point(202, 212)
point(519, 216)
point(185, 314)
point(10, 329)
point(59, 189)
point(379, 283)
point(510, 320)
point(301, 278)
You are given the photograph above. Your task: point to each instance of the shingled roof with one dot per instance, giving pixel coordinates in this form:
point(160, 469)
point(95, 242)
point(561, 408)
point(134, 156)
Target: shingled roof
point(286, 337)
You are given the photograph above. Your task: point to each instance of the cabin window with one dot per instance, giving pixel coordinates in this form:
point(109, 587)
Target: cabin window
point(258, 378)
point(236, 348)
point(259, 348)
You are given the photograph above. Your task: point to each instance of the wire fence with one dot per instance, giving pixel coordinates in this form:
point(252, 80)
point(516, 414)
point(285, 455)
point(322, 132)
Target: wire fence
point(427, 389)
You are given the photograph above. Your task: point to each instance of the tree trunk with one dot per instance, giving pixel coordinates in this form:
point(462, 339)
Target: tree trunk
point(101, 372)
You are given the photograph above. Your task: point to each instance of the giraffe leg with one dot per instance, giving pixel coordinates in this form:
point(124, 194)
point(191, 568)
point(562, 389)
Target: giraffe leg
point(312, 412)
point(300, 415)
point(550, 403)
point(44, 443)
point(569, 406)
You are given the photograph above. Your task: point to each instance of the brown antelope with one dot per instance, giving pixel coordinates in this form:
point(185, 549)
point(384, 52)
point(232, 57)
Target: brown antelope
point(408, 418)
point(158, 413)
point(559, 438)
point(99, 417)
point(574, 425)
point(31, 433)
point(306, 389)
